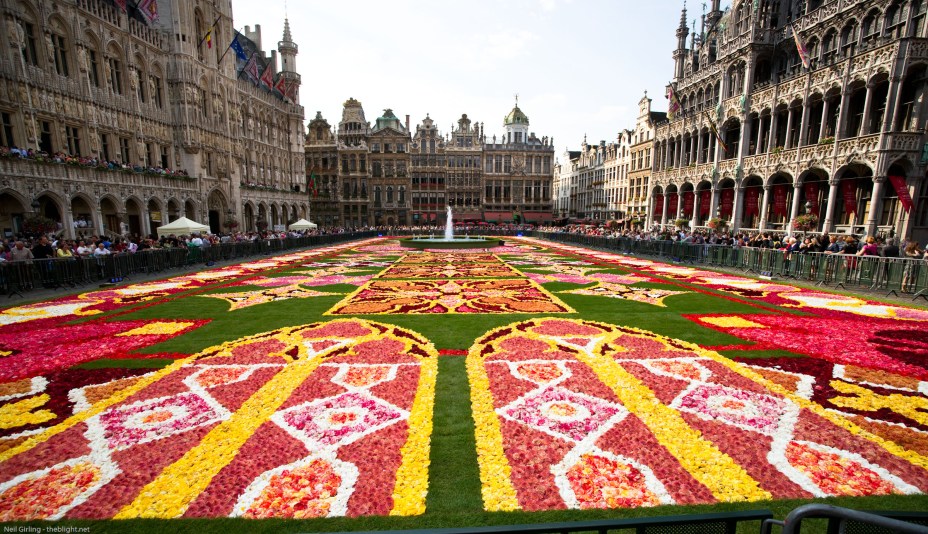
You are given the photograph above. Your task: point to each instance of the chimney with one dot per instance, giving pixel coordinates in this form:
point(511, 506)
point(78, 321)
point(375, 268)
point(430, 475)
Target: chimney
point(407, 122)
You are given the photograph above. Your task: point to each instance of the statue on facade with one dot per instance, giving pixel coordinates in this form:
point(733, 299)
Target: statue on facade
point(82, 59)
point(17, 33)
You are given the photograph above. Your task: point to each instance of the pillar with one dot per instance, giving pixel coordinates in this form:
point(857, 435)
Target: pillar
point(695, 209)
point(892, 103)
point(828, 224)
point(738, 207)
point(824, 123)
point(67, 220)
point(763, 208)
point(680, 204)
point(665, 205)
point(865, 123)
point(772, 138)
point(714, 204)
point(794, 209)
point(841, 132)
point(789, 128)
point(876, 203)
point(699, 147)
point(804, 123)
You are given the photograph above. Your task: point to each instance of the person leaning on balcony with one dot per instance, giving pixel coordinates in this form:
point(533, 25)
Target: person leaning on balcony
point(20, 252)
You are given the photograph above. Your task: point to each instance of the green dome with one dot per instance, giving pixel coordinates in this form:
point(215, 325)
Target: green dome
point(515, 117)
point(388, 120)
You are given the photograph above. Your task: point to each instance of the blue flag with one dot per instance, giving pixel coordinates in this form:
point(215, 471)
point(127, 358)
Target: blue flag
point(237, 48)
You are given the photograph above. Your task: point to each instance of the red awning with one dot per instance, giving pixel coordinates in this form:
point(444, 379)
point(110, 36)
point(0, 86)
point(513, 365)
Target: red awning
point(538, 216)
point(497, 216)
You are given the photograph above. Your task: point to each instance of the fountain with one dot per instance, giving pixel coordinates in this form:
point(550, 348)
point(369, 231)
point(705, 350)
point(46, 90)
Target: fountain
point(449, 241)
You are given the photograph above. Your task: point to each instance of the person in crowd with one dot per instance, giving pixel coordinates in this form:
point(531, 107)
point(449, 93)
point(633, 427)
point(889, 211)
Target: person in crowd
point(64, 251)
point(101, 250)
point(891, 249)
point(870, 248)
point(834, 247)
point(912, 267)
point(20, 252)
point(850, 245)
point(43, 249)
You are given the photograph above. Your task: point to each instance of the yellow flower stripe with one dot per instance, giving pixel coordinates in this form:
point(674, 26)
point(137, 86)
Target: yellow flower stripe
point(412, 478)
point(499, 495)
point(78, 418)
point(19, 413)
point(890, 446)
point(719, 472)
point(174, 489)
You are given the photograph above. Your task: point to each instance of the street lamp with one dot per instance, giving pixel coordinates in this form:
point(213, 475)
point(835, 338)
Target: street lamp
point(35, 204)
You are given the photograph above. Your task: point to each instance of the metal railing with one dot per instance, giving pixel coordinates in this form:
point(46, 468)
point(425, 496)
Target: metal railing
point(20, 277)
point(891, 276)
point(844, 520)
point(721, 523)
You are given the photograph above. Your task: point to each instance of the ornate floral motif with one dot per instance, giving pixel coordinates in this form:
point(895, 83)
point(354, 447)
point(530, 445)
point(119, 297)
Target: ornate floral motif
point(449, 296)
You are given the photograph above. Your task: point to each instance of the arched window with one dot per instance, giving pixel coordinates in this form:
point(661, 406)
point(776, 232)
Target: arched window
point(114, 62)
point(93, 56)
point(389, 195)
point(894, 21)
point(871, 26)
point(201, 31)
point(917, 28)
point(849, 37)
point(140, 80)
point(156, 86)
point(60, 46)
point(31, 32)
point(830, 47)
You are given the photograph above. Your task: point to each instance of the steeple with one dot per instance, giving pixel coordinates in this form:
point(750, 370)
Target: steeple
point(288, 51)
point(680, 52)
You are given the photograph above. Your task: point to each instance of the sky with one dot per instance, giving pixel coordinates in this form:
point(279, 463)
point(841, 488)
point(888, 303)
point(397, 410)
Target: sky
point(578, 67)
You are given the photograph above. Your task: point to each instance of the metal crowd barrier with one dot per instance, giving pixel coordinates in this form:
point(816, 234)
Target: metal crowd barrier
point(842, 520)
point(20, 277)
point(892, 276)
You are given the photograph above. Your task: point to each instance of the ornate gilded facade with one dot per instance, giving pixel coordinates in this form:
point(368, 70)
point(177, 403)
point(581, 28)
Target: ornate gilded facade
point(825, 135)
point(85, 78)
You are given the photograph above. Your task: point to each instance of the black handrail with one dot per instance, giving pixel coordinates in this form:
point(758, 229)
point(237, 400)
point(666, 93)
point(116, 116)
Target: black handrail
point(840, 518)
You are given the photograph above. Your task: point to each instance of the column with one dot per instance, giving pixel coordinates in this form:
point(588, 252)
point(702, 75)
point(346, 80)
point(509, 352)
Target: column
point(699, 147)
point(665, 206)
point(744, 144)
point(695, 210)
point(828, 224)
point(824, 123)
point(145, 221)
point(680, 204)
point(667, 151)
point(714, 204)
point(794, 209)
point(737, 208)
point(679, 152)
point(759, 148)
point(67, 221)
point(772, 138)
point(892, 104)
point(876, 203)
point(804, 123)
point(763, 208)
point(789, 128)
point(97, 217)
point(842, 114)
point(693, 153)
point(865, 123)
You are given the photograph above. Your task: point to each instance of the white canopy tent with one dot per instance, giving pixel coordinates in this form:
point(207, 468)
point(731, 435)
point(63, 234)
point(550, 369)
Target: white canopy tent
point(302, 224)
point(182, 226)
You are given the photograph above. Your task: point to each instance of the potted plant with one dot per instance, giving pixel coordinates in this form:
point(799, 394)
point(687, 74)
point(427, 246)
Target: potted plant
point(262, 225)
point(717, 223)
point(231, 224)
point(38, 224)
point(805, 222)
point(681, 222)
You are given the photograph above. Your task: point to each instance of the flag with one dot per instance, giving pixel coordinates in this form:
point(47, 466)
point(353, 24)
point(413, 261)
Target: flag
point(803, 52)
point(281, 86)
point(209, 34)
point(121, 4)
point(268, 77)
point(251, 69)
point(292, 91)
point(236, 47)
point(715, 132)
point(149, 10)
point(673, 107)
point(312, 184)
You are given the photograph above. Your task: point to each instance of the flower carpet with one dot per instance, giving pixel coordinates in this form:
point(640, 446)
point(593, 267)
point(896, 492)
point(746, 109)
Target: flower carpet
point(368, 380)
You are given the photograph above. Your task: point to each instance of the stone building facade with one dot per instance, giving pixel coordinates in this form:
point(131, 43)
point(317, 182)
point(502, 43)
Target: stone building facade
point(838, 134)
point(86, 78)
point(388, 175)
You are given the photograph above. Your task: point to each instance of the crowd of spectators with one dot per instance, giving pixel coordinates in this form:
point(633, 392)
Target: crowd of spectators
point(86, 161)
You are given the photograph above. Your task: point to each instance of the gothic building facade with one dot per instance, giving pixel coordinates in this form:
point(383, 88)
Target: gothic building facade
point(820, 114)
point(134, 122)
point(388, 175)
